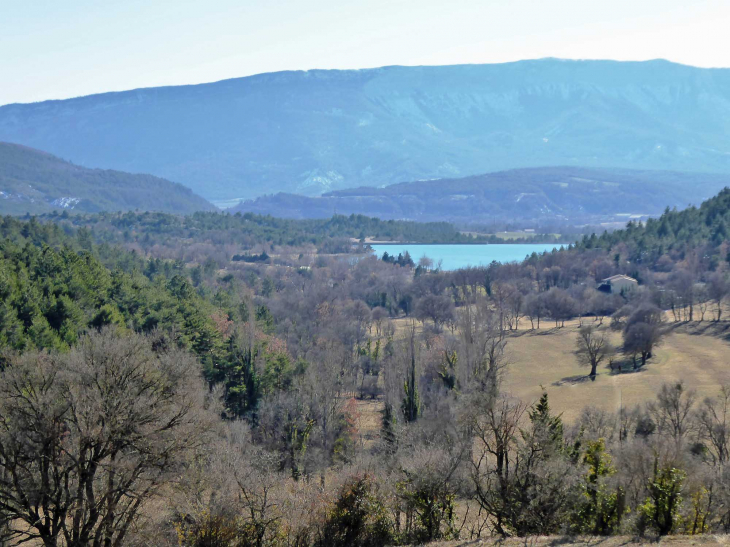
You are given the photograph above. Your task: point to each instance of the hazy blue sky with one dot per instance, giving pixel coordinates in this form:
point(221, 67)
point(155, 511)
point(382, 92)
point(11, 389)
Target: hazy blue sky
point(65, 48)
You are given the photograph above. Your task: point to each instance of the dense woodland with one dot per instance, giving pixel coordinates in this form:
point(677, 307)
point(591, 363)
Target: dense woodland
point(332, 235)
point(156, 391)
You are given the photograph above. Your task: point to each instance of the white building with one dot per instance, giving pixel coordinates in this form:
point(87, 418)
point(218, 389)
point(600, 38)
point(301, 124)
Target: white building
point(617, 284)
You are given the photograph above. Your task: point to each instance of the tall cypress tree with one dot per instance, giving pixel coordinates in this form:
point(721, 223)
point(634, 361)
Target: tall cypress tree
point(387, 428)
point(411, 400)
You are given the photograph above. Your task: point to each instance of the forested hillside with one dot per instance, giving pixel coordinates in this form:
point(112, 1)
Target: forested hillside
point(322, 130)
point(702, 231)
point(54, 289)
point(251, 230)
point(548, 194)
point(35, 182)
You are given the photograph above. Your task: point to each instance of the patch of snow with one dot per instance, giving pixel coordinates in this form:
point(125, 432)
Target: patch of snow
point(323, 181)
point(66, 202)
point(523, 194)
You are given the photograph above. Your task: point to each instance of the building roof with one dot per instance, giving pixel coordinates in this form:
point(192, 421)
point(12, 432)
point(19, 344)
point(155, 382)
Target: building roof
point(618, 277)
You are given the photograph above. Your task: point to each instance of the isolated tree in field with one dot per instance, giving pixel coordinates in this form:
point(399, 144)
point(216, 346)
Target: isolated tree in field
point(593, 348)
point(640, 339)
point(379, 315)
point(643, 332)
point(515, 307)
point(88, 436)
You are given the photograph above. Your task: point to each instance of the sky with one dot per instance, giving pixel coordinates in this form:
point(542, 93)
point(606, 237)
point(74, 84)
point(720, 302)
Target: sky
point(51, 49)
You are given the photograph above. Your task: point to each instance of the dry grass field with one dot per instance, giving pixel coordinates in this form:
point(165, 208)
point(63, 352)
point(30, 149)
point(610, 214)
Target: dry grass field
point(697, 353)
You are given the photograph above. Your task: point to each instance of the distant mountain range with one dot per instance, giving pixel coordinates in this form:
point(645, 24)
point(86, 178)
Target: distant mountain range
point(323, 130)
point(570, 194)
point(35, 182)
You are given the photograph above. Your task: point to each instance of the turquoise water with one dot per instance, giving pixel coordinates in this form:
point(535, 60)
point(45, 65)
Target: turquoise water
point(461, 256)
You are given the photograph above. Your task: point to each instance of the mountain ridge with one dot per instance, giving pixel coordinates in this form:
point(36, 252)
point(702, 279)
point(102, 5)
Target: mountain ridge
point(548, 194)
point(314, 131)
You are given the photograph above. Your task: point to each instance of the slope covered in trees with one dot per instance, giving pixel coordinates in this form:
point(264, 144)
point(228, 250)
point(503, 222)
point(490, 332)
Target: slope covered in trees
point(35, 182)
point(547, 194)
point(700, 231)
point(54, 289)
point(251, 230)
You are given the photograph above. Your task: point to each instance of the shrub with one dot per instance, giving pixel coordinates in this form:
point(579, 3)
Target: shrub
point(359, 518)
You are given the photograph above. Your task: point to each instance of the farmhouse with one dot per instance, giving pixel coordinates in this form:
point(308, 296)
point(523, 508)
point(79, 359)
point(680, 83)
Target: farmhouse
point(616, 284)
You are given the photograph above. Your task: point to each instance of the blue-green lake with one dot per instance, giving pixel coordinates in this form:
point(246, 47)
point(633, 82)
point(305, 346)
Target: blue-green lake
point(461, 256)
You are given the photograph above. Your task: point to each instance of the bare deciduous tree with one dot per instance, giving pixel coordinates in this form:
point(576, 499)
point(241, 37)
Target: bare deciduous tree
point(672, 411)
point(593, 347)
point(718, 290)
point(88, 436)
point(714, 424)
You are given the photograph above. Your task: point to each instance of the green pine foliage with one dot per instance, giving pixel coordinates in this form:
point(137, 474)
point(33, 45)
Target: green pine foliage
point(333, 234)
point(700, 229)
point(547, 429)
point(52, 292)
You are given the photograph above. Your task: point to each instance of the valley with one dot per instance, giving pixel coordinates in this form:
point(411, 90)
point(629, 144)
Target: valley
point(470, 298)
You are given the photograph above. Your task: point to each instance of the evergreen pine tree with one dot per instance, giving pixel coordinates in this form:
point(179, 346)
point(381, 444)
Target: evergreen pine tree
point(546, 428)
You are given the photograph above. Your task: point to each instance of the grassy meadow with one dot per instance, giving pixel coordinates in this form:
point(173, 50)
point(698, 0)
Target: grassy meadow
point(698, 353)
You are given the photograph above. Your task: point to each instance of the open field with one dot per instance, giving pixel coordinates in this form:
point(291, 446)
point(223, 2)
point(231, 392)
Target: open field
point(697, 353)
